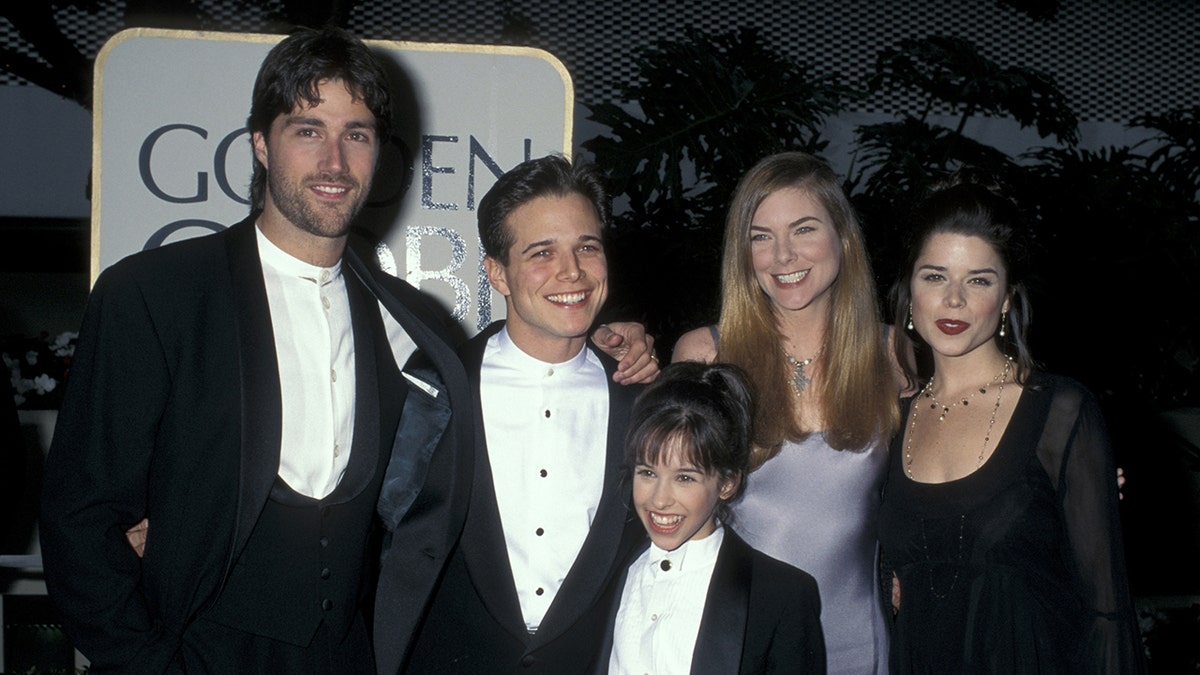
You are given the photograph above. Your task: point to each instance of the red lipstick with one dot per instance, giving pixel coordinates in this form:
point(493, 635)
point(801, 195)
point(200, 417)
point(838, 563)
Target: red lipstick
point(950, 327)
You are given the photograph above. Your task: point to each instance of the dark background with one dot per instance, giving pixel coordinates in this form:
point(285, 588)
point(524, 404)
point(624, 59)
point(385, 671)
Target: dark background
point(1088, 111)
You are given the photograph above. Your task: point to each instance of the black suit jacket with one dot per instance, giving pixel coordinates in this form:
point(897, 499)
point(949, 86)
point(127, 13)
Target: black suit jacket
point(173, 413)
point(475, 624)
point(761, 616)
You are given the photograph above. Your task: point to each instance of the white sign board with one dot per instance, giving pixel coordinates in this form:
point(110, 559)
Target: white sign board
point(171, 155)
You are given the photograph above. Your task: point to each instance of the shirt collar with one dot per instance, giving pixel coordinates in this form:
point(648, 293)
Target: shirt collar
point(286, 264)
point(510, 355)
point(693, 554)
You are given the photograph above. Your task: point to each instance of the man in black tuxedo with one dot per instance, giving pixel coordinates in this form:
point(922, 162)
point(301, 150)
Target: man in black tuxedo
point(253, 394)
point(548, 522)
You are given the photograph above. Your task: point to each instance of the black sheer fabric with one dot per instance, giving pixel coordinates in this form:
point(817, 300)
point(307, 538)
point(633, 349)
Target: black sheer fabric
point(1017, 567)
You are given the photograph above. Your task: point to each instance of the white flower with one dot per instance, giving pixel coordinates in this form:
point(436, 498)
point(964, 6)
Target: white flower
point(64, 344)
point(44, 384)
point(31, 357)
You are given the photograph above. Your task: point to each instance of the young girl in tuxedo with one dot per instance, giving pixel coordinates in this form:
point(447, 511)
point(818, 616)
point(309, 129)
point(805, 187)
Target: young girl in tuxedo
point(698, 599)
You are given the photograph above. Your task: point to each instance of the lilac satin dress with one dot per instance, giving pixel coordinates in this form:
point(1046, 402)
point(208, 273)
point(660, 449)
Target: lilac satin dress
point(817, 508)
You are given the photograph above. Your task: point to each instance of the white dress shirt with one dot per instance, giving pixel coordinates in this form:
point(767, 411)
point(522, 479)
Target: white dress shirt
point(547, 431)
point(314, 346)
point(661, 607)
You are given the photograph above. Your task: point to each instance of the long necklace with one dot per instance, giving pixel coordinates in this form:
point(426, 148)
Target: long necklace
point(942, 595)
point(800, 379)
point(1002, 378)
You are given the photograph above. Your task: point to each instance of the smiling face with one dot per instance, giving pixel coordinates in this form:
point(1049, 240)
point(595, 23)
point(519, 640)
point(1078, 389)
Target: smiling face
point(795, 250)
point(556, 278)
point(959, 289)
point(675, 500)
point(319, 161)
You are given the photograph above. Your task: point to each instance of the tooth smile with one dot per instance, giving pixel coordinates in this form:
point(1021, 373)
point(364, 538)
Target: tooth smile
point(791, 278)
point(329, 189)
point(664, 520)
point(567, 298)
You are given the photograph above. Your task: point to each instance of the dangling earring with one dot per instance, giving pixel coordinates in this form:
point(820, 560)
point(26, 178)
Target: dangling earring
point(1003, 320)
point(910, 327)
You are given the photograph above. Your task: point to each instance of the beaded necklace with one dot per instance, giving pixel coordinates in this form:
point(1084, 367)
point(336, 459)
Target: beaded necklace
point(1002, 379)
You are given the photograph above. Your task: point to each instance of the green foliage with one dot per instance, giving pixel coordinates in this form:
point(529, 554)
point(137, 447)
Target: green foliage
point(708, 106)
point(951, 71)
point(905, 156)
point(899, 160)
point(1176, 157)
point(1119, 276)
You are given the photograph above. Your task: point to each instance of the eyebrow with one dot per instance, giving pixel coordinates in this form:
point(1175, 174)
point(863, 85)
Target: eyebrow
point(547, 242)
point(300, 120)
point(939, 268)
point(802, 219)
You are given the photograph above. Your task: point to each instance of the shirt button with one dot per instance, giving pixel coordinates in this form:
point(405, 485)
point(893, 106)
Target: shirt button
point(654, 617)
point(332, 375)
point(326, 604)
point(337, 450)
point(550, 373)
point(542, 473)
point(540, 532)
point(540, 591)
point(325, 302)
point(547, 414)
point(324, 275)
point(325, 573)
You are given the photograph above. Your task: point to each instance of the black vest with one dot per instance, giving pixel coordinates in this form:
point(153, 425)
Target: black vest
point(308, 561)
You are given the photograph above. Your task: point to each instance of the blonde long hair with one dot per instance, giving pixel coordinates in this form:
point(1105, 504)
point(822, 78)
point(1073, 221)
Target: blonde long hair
point(857, 398)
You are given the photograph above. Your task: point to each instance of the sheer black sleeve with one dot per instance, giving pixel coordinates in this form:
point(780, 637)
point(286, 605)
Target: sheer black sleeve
point(1077, 455)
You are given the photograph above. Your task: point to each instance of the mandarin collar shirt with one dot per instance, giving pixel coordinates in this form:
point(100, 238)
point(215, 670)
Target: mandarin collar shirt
point(661, 608)
point(546, 426)
point(314, 347)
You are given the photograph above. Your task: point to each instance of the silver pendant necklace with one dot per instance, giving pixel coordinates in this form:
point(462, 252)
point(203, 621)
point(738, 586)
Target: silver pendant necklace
point(800, 379)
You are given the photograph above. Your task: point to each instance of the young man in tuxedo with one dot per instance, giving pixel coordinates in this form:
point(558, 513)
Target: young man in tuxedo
point(547, 523)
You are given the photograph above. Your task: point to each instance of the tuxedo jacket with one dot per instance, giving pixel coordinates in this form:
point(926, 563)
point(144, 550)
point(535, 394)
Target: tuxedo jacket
point(173, 413)
point(475, 624)
point(761, 616)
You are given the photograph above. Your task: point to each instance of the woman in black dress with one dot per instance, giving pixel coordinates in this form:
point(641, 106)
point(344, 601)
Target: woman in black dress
point(999, 522)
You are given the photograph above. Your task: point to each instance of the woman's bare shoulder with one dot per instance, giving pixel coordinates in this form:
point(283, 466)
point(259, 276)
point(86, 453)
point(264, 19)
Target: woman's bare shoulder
point(695, 345)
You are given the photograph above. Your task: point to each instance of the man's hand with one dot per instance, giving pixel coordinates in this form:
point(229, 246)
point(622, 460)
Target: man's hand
point(136, 536)
point(632, 347)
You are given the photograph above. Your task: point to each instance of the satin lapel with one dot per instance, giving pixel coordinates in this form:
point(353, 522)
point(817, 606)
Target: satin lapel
point(261, 402)
point(602, 550)
point(723, 627)
point(425, 417)
point(364, 453)
point(482, 544)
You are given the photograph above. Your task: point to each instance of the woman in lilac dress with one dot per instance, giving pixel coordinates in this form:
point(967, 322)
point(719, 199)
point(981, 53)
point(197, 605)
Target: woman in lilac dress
point(799, 315)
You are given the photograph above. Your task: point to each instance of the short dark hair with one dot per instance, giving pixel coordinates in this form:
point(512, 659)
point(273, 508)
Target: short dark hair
point(289, 76)
point(972, 204)
point(550, 175)
point(707, 410)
